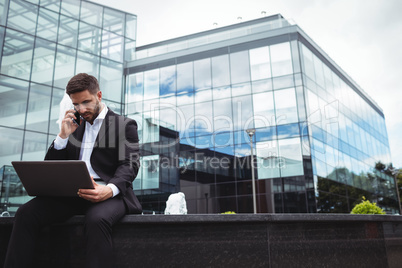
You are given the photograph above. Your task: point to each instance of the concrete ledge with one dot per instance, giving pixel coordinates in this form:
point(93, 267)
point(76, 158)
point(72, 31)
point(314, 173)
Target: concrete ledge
point(231, 240)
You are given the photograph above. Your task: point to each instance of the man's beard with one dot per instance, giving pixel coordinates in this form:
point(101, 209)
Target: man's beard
point(97, 109)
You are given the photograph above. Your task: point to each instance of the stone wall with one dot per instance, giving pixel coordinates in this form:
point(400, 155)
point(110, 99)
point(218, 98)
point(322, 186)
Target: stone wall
point(241, 240)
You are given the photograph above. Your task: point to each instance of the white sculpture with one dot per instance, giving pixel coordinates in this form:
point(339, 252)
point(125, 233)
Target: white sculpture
point(176, 204)
point(65, 104)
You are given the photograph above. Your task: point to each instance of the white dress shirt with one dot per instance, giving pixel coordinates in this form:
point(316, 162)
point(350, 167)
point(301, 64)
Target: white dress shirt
point(87, 146)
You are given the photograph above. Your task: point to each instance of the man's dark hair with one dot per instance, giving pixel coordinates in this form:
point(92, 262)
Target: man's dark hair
point(81, 82)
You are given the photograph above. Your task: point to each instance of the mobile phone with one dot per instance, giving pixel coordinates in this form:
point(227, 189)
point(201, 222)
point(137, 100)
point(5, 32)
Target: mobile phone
point(77, 115)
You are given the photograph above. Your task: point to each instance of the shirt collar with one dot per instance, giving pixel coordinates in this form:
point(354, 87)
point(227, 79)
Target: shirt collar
point(103, 113)
point(101, 116)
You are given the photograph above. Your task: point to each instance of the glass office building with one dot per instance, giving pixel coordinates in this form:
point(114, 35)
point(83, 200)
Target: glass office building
point(43, 44)
point(318, 136)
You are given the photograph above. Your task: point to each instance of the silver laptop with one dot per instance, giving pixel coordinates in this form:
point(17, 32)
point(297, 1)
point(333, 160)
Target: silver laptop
point(53, 177)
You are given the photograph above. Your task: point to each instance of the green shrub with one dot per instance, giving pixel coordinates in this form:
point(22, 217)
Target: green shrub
point(366, 207)
point(229, 212)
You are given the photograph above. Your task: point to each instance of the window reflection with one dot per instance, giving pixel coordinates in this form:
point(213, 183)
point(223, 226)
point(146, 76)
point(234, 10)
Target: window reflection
point(17, 54)
point(22, 16)
point(260, 63)
point(47, 24)
point(43, 62)
point(290, 153)
point(202, 74)
point(11, 144)
point(220, 71)
point(13, 101)
point(151, 84)
point(281, 59)
point(168, 80)
point(68, 31)
point(38, 108)
point(239, 67)
point(264, 109)
point(110, 80)
point(89, 38)
point(185, 78)
point(285, 106)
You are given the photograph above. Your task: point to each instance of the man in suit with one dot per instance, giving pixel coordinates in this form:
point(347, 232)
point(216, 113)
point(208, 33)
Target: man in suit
point(108, 143)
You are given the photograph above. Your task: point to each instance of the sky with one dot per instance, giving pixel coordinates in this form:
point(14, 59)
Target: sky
point(364, 37)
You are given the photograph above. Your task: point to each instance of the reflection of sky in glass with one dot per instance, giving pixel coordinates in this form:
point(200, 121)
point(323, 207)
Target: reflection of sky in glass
point(239, 67)
point(185, 77)
point(167, 80)
point(220, 71)
point(264, 111)
point(242, 113)
point(151, 84)
point(285, 105)
point(260, 63)
point(202, 74)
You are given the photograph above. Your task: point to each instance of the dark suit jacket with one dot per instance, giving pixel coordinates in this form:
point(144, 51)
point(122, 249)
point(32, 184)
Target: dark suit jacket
point(115, 156)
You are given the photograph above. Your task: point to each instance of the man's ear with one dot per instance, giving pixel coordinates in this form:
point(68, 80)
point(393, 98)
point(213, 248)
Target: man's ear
point(99, 95)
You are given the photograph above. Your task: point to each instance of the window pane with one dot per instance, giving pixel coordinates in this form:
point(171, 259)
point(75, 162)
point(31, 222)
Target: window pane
point(291, 157)
point(151, 84)
point(47, 24)
point(55, 114)
point(51, 4)
point(135, 88)
point(65, 62)
point(242, 113)
point(43, 62)
point(17, 54)
point(35, 146)
point(22, 16)
point(223, 115)
point(149, 178)
point(89, 38)
point(87, 63)
point(38, 108)
point(168, 80)
point(285, 105)
point(268, 162)
point(112, 46)
point(202, 74)
point(220, 71)
point(13, 102)
point(260, 63)
point(10, 144)
point(239, 67)
point(68, 31)
point(129, 50)
point(113, 21)
point(203, 121)
point(3, 14)
point(131, 26)
point(111, 80)
point(264, 109)
point(241, 89)
point(70, 8)
point(185, 77)
point(281, 59)
point(91, 13)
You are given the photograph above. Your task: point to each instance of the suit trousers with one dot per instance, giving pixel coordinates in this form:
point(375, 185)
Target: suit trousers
point(44, 211)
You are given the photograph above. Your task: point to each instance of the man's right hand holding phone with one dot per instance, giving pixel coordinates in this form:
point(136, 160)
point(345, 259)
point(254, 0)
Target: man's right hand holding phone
point(69, 123)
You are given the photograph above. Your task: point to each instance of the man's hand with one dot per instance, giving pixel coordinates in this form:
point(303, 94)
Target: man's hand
point(99, 194)
point(67, 124)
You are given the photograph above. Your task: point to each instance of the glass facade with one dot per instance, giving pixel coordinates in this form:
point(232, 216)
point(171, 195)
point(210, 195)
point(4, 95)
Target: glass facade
point(42, 45)
point(318, 136)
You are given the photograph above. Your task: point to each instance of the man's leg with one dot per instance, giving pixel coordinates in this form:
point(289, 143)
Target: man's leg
point(28, 222)
point(99, 220)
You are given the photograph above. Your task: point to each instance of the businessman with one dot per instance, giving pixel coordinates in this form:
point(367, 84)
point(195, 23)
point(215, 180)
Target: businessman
point(108, 143)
